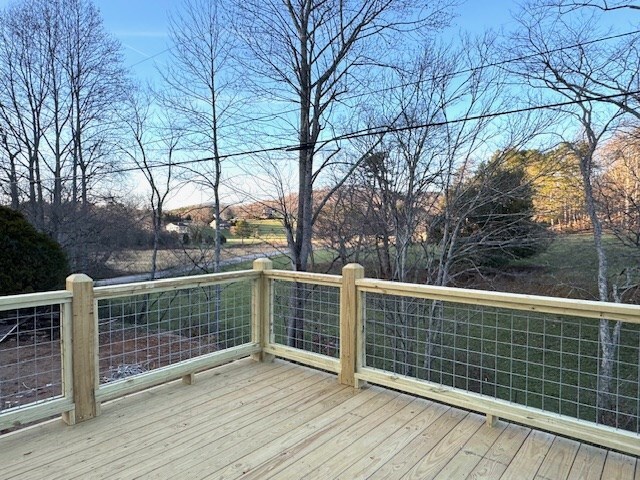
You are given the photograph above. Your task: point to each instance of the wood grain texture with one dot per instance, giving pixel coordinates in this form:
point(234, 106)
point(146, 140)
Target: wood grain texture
point(278, 420)
point(84, 347)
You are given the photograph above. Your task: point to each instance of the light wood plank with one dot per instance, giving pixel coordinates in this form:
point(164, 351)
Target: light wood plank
point(619, 467)
point(231, 407)
point(170, 284)
point(35, 412)
point(261, 327)
point(557, 464)
point(202, 434)
point(304, 277)
point(349, 307)
point(84, 346)
point(168, 401)
point(497, 459)
point(530, 456)
point(304, 438)
point(261, 420)
point(588, 463)
point(467, 459)
point(311, 359)
point(434, 461)
point(170, 373)
point(210, 454)
point(318, 451)
point(487, 469)
point(396, 414)
point(27, 300)
point(460, 466)
point(515, 301)
point(610, 437)
point(508, 443)
point(395, 443)
point(423, 443)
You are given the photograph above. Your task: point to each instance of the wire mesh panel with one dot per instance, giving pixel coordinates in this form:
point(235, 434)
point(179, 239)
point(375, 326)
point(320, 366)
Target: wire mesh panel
point(143, 332)
point(545, 361)
point(307, 317)
point(30, 356)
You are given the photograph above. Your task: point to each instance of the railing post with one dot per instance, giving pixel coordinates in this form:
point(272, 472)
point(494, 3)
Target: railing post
point(83, 350)
point(261, 310)
point(350, 329)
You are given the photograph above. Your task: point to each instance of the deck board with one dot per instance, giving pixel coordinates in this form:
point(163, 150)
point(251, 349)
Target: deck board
point(394, 444)
point(462, 464)
point(406, 408)
point(532, 453)
point(559, 460)
point(618, 466)
point(279, 420)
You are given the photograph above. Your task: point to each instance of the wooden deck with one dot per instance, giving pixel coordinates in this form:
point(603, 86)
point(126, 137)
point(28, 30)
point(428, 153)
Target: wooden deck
point(280, 420)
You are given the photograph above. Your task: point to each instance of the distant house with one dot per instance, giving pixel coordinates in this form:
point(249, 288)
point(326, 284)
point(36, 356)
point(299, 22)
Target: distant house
point(178, 227)
point(224, 225)
point(268, 213)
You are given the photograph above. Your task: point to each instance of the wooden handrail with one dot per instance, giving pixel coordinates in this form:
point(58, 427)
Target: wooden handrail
point(514, 301)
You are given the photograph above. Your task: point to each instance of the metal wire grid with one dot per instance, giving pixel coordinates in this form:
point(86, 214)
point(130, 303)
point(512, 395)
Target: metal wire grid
point(30, 365)
point(143, 332)
point(544, 361)
point(307, 317)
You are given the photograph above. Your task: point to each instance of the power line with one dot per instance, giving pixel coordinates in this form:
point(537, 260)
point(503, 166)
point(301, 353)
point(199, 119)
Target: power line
point(444, 76)
point(390, 129)
point(379, 130)
point(495, 64)
point(385, 129)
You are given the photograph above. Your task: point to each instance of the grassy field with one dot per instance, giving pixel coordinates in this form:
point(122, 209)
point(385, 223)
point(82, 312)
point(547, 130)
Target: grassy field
point(569, 268)
point(270, 231)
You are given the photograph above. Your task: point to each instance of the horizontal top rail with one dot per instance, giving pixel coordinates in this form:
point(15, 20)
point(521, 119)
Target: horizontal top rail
point(27, 300)
point(305, 277)
point(157, 286)
point(515, 301)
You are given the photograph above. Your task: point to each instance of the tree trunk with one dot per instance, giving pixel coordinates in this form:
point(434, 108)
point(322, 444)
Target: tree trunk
point(608, 331)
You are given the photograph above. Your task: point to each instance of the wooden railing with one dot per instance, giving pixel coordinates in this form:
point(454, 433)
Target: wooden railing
point(364, 325)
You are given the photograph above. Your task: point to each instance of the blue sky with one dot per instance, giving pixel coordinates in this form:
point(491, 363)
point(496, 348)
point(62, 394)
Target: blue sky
point(141, 25)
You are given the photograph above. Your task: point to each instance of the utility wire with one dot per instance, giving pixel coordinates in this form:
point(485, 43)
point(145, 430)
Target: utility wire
point(379, 130)
point(443, 76)
point(384, 129)
point(390, 129)
point(151, 57)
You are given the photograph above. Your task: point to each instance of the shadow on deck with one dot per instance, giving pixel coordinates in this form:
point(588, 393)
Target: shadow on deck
point(280, 420)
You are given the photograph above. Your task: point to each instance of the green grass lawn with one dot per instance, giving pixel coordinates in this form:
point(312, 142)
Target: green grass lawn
point(569, 268)
point(261, 231)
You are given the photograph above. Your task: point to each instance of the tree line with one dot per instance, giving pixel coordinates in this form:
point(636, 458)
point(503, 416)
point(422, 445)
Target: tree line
point(73, 117)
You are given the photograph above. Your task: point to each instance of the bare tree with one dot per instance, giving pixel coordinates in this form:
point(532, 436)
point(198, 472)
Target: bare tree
point(568, 6)
point(580, 75)
point(151, 148)
point(64, 78)
point(97, 85)
point(200, 89)
point(312, 53)
point(25, 74)
point(618, 187)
